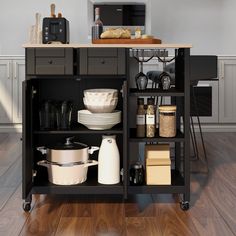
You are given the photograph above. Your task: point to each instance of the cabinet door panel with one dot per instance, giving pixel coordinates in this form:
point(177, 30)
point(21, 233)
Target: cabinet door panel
point(5, 91)
point(18, 78)
point(227, 88)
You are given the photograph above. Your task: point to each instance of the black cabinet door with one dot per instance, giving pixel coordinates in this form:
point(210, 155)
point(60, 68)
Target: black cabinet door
point(27, 157)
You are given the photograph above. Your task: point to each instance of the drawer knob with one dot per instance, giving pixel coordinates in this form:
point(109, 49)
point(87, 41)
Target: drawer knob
point(103, 62)
point(50, 62)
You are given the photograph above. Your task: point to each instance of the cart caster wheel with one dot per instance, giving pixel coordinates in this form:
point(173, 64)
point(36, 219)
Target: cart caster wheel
point(26, 206)
point(184, 205)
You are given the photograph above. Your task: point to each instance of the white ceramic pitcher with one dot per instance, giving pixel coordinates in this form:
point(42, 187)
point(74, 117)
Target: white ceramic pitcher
point(109, 161)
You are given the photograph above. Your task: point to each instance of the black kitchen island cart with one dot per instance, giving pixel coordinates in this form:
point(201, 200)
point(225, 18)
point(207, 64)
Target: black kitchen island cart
point(62, 72)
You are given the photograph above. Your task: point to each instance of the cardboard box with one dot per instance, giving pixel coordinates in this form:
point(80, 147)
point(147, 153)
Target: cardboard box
point(157, 151)
point(158, 171)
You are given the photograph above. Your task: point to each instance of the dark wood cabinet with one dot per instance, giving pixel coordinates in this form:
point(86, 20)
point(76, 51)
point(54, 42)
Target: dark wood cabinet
point(86, 70)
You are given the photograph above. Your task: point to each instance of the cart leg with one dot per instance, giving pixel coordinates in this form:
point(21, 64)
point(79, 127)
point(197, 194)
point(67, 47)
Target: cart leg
point(27, 203)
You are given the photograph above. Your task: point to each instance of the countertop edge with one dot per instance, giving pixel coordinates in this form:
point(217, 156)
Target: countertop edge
point(75, 45)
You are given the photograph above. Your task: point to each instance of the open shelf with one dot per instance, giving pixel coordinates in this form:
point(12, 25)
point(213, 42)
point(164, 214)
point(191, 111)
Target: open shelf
point(156, 92)
point(80, 129)
point(133, 138)
point(90, 186)
point(177, 186)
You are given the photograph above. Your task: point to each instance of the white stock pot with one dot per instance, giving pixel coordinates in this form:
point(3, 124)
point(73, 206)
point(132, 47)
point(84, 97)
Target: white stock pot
point(67, 174)
point(67, 153)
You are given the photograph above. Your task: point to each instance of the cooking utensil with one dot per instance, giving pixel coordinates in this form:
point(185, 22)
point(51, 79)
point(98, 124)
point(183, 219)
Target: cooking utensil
point(69, 152)
point(67, 174)
point(52, 10)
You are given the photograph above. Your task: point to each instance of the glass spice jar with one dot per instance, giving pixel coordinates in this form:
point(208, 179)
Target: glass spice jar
point(167, 121)
point(150, 118)
point(140, 119)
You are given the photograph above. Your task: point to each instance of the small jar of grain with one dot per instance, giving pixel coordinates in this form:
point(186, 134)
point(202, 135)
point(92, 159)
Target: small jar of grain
point(167, 121)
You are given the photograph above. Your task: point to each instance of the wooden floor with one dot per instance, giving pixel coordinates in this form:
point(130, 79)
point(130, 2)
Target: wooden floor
point(213, 202)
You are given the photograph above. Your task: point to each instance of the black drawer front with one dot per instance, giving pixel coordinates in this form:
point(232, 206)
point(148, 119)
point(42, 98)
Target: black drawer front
point(49, 61)
point(50, 66)
point(50, 52)
point(102, 66)
point(101, 61)
point(102, 52)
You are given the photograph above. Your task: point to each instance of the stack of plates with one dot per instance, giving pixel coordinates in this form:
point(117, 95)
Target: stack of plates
point(99, 121)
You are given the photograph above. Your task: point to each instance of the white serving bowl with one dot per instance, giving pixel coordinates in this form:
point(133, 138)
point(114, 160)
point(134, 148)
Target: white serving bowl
point(101, 93)
point(100, 101)
point(99, 121)
point(97, 106)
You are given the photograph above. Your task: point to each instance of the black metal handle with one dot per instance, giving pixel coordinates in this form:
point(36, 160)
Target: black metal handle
point(50, 62)
point(103, 61)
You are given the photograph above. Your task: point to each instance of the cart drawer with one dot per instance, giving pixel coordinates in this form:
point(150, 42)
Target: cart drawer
point(101, 61)
point(49, 61)
point(102, 66)
point(50, 66)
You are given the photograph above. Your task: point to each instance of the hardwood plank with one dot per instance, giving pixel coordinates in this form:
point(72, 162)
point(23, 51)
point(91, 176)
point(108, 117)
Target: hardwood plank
point(223, 199)
point(7, 157)
point(70, 226)
point(12, 216)
point(108, 217)
point(140, 205)
point(44, 218)
point(12, 177)
point(5, 195)
point(9, 140)
point(203, 213)
point(171, 219)
point(78, 207)
point(140, 226)
point(3, 169)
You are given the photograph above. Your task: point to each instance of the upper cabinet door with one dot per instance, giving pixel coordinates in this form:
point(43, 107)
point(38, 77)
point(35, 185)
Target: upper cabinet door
point(18, 74)
point(5, 91)
point(227, 88)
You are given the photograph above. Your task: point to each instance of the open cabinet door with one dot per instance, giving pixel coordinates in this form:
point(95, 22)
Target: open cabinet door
point(27, 154)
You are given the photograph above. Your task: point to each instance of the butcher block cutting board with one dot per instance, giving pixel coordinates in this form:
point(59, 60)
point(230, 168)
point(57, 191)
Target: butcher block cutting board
point(127, 41)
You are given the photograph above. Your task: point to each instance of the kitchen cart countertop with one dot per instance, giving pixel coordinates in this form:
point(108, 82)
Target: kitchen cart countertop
point(77, 45)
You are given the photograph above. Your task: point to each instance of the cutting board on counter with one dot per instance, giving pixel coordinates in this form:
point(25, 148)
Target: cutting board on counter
point(127, 41)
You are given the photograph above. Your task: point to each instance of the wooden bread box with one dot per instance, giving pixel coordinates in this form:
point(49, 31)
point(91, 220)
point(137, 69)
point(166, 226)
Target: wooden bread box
point(158, 164)
point(158, 171)
point(157, 151)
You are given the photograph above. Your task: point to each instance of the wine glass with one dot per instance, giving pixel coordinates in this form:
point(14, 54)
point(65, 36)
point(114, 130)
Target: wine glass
point(141, 79)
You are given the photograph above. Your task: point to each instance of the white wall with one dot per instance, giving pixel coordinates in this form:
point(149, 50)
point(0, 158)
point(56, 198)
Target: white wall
point(209, 25)
point(17, 16)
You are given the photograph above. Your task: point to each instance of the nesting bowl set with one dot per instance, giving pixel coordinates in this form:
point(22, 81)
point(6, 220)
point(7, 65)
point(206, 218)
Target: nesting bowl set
point(100, 113)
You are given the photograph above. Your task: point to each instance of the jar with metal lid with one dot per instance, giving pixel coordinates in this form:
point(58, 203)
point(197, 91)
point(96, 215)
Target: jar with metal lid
point(167, 121)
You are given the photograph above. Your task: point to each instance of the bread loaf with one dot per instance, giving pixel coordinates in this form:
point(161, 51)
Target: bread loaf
point(118, 33)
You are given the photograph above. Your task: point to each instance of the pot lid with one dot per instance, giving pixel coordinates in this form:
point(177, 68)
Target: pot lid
point(69, 145)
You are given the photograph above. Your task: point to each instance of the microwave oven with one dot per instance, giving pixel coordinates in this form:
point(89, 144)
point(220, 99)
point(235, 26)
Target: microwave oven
point(122, 15)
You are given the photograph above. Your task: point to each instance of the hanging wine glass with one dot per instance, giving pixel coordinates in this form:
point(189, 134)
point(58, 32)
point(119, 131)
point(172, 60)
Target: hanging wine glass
point(141, 79)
